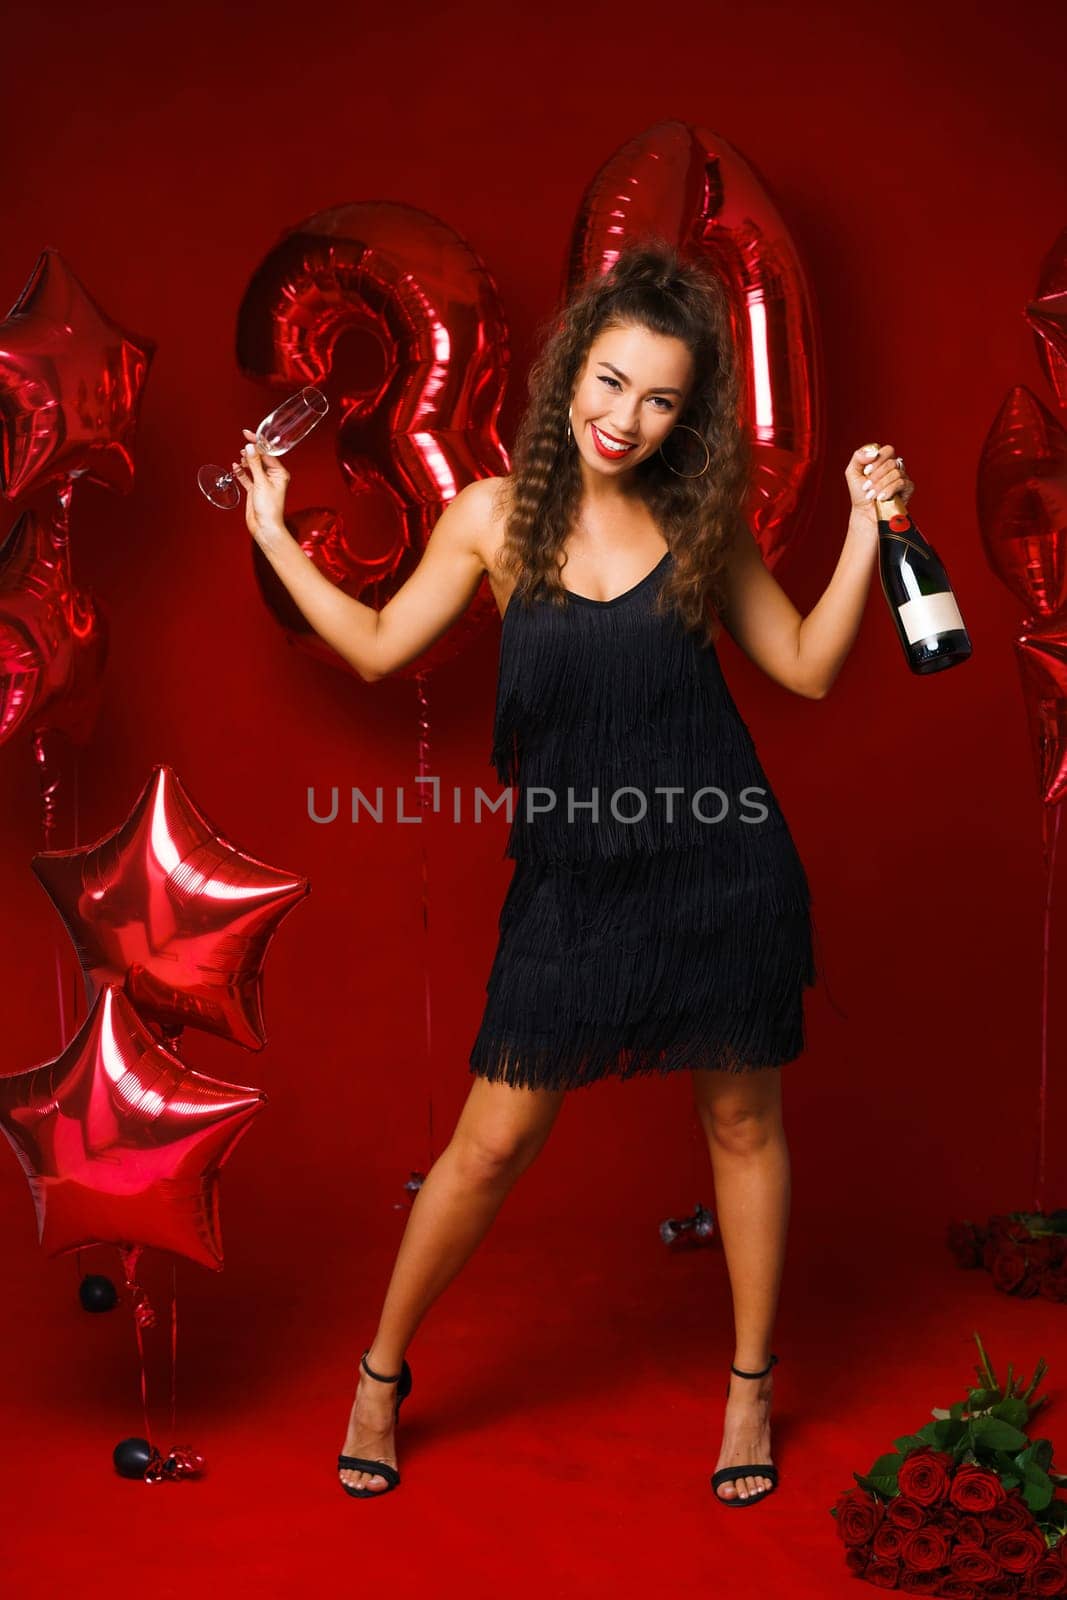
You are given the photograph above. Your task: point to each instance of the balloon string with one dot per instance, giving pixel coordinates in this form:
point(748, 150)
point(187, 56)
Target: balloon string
point(426, 788)
point(1050, 829)
point(173, 1349)
point(60, 995)
point(48, 769)
point(143, 1317)
point(76, 983)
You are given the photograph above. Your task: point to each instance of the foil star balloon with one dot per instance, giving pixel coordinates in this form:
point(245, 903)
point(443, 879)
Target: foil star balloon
point(53, 637)
point(1041, 656)
point(1022, 501)
point(175, 913)
point(1047, 315)
point(121, 1142)
point(71, 381)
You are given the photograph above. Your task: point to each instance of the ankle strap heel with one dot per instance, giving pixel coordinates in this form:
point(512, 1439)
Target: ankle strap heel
point(761, 1374)
point(382, 1469)
point(379, 1376)
point(758, 1469)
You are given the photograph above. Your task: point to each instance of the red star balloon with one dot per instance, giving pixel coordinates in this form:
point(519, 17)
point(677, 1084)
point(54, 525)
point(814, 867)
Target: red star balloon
point(1022, 501)
point(122, 1142)
point(70, 386)
point(175, 913)
point(53, 637)
point(1047, 315)
point(1041, 655)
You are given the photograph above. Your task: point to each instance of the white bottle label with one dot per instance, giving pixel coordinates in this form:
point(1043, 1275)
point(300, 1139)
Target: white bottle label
point(930, 614)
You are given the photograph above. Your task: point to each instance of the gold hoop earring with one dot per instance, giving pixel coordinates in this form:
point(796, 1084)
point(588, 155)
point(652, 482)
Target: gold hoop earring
point(707, 453)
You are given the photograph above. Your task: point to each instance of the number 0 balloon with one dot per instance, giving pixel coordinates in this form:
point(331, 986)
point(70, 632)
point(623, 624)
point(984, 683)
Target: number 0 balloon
point(692, 188)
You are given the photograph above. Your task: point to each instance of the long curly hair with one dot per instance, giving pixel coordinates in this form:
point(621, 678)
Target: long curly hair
point(650, 285)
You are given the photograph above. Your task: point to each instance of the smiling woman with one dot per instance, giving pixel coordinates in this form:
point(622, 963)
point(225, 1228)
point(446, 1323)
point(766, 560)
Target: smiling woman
point(648, 389)
point(658, 918)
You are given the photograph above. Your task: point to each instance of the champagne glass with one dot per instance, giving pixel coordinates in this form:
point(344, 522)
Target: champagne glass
point(286, 425)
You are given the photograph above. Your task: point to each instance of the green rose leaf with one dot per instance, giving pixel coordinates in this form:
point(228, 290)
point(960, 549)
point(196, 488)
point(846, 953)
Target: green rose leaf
point(992, 1434)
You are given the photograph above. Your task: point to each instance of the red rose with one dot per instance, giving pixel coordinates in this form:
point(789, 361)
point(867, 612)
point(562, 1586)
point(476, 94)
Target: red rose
point(858, 1515)
point(1018, 1551)
point(919, 1582)
point(887, 1542)
point(975, 1488)
point(904, 1512)
point(1042, 1252)
point(1053, 1284)
point(1027, 1289)
point(927, 1548)
point(1049, 1576)
point(1009, 1267)
point(883, 1574)
point(924, 1475)
point(970, 1530)
point(1000, 1588)
point(857, 1557)
point(1013, 1512)
point(972, 1562)
point(960, 1588)
point(946, 1517)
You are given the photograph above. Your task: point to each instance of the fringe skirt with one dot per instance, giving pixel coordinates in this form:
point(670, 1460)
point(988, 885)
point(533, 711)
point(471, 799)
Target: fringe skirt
point(648, 963)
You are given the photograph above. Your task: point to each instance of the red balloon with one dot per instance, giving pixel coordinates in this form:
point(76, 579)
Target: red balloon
point(690, 187)
point(1047, 315)
point(70, 386)
point(53, 636)
point(171, 910)
point(1022, 502)
point(1041, 656)
point(122, 1142)
point(417, 435)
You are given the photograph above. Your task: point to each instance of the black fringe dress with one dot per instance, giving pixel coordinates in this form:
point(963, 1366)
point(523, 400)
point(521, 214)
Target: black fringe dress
point(658, 916)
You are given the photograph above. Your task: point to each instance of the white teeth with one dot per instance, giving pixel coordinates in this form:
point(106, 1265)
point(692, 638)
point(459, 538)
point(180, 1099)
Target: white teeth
point(609, 444)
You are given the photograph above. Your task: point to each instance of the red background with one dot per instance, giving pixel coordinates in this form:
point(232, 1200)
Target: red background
point(918, 156)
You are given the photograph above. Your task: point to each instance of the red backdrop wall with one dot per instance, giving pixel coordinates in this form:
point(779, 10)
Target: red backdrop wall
point(918, 156)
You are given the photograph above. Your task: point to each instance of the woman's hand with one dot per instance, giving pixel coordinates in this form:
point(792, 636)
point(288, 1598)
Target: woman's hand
point(873, 474)
point(264, 480)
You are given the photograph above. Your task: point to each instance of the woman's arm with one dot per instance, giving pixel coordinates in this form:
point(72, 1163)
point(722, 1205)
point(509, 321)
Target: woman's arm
point(436, 594)
point(805, 654)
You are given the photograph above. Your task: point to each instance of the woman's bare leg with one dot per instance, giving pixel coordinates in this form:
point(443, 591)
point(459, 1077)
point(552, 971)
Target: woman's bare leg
point(741, 1113)
point(499, 1132)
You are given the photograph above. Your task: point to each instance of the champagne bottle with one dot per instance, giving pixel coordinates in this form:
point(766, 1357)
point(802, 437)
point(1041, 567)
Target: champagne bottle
point(918, 593)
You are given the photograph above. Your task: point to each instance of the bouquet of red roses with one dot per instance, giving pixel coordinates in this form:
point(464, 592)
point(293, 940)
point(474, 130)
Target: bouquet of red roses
point(967, 1506)
point(1026, 1251)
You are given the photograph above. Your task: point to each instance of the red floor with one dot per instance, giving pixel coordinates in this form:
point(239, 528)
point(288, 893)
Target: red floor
point(568, 1394)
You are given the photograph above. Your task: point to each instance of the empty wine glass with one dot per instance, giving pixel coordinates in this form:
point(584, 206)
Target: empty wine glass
point(287, 424)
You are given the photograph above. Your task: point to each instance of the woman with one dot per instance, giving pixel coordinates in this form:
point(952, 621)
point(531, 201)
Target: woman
point(634, 937)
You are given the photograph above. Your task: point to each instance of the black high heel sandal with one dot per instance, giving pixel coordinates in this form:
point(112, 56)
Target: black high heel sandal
point(760, 1469)
point(391, 1474)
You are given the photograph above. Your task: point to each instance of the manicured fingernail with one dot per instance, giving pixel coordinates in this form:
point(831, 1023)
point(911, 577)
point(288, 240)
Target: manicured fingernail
point(871, 450)
point(869, 491)
point(250, 449)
